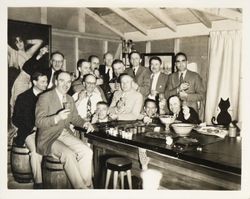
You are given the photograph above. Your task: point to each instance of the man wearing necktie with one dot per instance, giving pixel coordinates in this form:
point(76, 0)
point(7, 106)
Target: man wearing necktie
point(185, 83)
point(55, 111)
point(140, 73)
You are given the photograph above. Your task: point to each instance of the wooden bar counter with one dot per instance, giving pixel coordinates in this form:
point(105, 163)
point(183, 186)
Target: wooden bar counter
point(217, 166)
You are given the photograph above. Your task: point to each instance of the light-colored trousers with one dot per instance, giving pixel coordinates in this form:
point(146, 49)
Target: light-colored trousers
point(35, 158)
point(76, 158)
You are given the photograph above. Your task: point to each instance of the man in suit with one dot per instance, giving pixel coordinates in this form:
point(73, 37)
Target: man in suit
point(106, 72)
point(140, 73)
point(24, 119)
point(158, 80)
point(55, 111)
point(185, 83)
point(182, 112)
point(56, 62)
point(126, 103)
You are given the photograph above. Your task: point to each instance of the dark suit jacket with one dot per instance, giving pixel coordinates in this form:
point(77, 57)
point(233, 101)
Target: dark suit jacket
point(48, 105)
point(193, 119)
point(196, 91)
point(105, 86)
point(161, 84)
point(142, 78)
point(24, 115)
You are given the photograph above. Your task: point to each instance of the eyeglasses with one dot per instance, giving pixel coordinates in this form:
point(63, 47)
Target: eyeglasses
point(91, 83)
point(57, 61)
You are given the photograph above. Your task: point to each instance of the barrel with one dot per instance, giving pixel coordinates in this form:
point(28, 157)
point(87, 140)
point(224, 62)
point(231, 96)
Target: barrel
point(20, 164)
point(54, 176)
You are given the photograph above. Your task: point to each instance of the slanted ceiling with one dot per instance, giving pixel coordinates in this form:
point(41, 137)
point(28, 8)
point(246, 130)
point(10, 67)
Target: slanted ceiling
point(127, 20)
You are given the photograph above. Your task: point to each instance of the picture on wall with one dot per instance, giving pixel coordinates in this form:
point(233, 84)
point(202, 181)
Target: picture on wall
point(166, 58)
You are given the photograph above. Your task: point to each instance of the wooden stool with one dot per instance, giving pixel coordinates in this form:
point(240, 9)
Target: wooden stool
point(54, 176)
point(118, 165)
point(20, 164)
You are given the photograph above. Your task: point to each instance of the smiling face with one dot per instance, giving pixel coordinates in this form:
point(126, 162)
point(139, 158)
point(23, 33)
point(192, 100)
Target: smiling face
point(155, 66)
point(90, 83)
point(19, 43)
point(41, 83)
point(84, 68)
point(108, 59)
point(181, 63)
point(118, 68)
point(135, 59)
point(150, 109)
point(126, 82)
point(102, 111)
point(94, 63)
point(174, 104)
point(57, 62)
point(63, 82)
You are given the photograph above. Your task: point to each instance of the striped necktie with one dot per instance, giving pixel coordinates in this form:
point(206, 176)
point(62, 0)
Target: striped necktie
point(89, 114)
point(181, 78)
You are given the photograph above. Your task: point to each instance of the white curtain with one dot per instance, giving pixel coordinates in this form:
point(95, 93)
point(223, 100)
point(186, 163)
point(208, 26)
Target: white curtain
point(224, 77)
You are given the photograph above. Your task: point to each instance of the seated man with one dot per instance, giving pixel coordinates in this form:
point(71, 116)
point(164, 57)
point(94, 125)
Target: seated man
point(150, 114)
point(24, 119)
point(127, 102)
point(101, 113)
point(87, 99)
point(55, 111)
point(182, 112)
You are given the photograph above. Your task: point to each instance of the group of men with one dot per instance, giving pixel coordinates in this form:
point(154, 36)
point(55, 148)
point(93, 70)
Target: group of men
point(45, 113)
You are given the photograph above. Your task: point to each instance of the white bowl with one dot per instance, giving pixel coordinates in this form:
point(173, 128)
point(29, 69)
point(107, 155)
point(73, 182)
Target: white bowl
point(182, 129)
point(167, 119)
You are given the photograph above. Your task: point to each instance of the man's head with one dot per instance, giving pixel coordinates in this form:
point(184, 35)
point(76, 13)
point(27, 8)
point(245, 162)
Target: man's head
point(126, 82)
point(108, 59)
point(63, 82)
point(181, 61)
point(102, 110)
point(90, 83)
point(135, 58)
point(40, 81)
point(83, 66)
point(155, 64)
point(118, 67)
point(150, 107)
point(56, 60)
point(94, 62)
point(174, 104)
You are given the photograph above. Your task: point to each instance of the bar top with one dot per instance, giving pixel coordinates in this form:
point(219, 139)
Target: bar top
point(223, 154)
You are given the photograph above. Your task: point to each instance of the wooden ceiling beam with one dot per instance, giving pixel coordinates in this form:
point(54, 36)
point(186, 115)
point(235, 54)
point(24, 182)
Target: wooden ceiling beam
point(103, 22)
point(140, 27)
point(163, 18)
point(223, 12)
point(201, 17)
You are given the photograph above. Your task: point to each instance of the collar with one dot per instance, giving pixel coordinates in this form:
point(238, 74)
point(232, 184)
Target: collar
point(183, 72)
point(60, 95)
point(156, 75)
point(36, 91)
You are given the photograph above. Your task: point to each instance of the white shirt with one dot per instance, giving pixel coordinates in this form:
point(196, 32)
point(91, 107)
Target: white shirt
point(183, 72)
point(155, 78)
point(110, 72)
point(60, 95)
point(51, 79)
point(82, 105)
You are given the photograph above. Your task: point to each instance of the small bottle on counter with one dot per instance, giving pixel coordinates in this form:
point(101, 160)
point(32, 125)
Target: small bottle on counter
point(232, 130)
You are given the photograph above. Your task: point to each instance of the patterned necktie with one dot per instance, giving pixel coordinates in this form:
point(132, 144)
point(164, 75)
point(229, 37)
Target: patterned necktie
point(134, 71)
point(89, 114)
point(181, 78)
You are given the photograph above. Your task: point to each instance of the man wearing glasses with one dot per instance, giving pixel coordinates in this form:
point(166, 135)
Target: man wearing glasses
point(185, 83)
point(87, 99)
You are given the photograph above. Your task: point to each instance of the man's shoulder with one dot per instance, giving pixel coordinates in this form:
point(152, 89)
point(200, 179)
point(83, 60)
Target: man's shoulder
point(26, 95)
point(48, 94)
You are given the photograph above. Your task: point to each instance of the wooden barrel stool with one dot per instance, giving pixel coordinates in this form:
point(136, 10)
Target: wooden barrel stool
point(20, 164)
point(54, 176)
point(119, 165)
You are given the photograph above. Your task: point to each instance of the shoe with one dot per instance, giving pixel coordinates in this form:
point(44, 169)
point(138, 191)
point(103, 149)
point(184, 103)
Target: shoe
point(38, 186)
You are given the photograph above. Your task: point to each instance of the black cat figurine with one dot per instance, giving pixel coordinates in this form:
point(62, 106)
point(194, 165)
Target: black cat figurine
point(223, 118)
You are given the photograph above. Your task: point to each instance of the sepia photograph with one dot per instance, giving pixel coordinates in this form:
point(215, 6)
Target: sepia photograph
point(126, 98)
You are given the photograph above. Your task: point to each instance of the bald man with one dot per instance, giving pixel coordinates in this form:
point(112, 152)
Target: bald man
point(182, 112)
point(127, 102)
